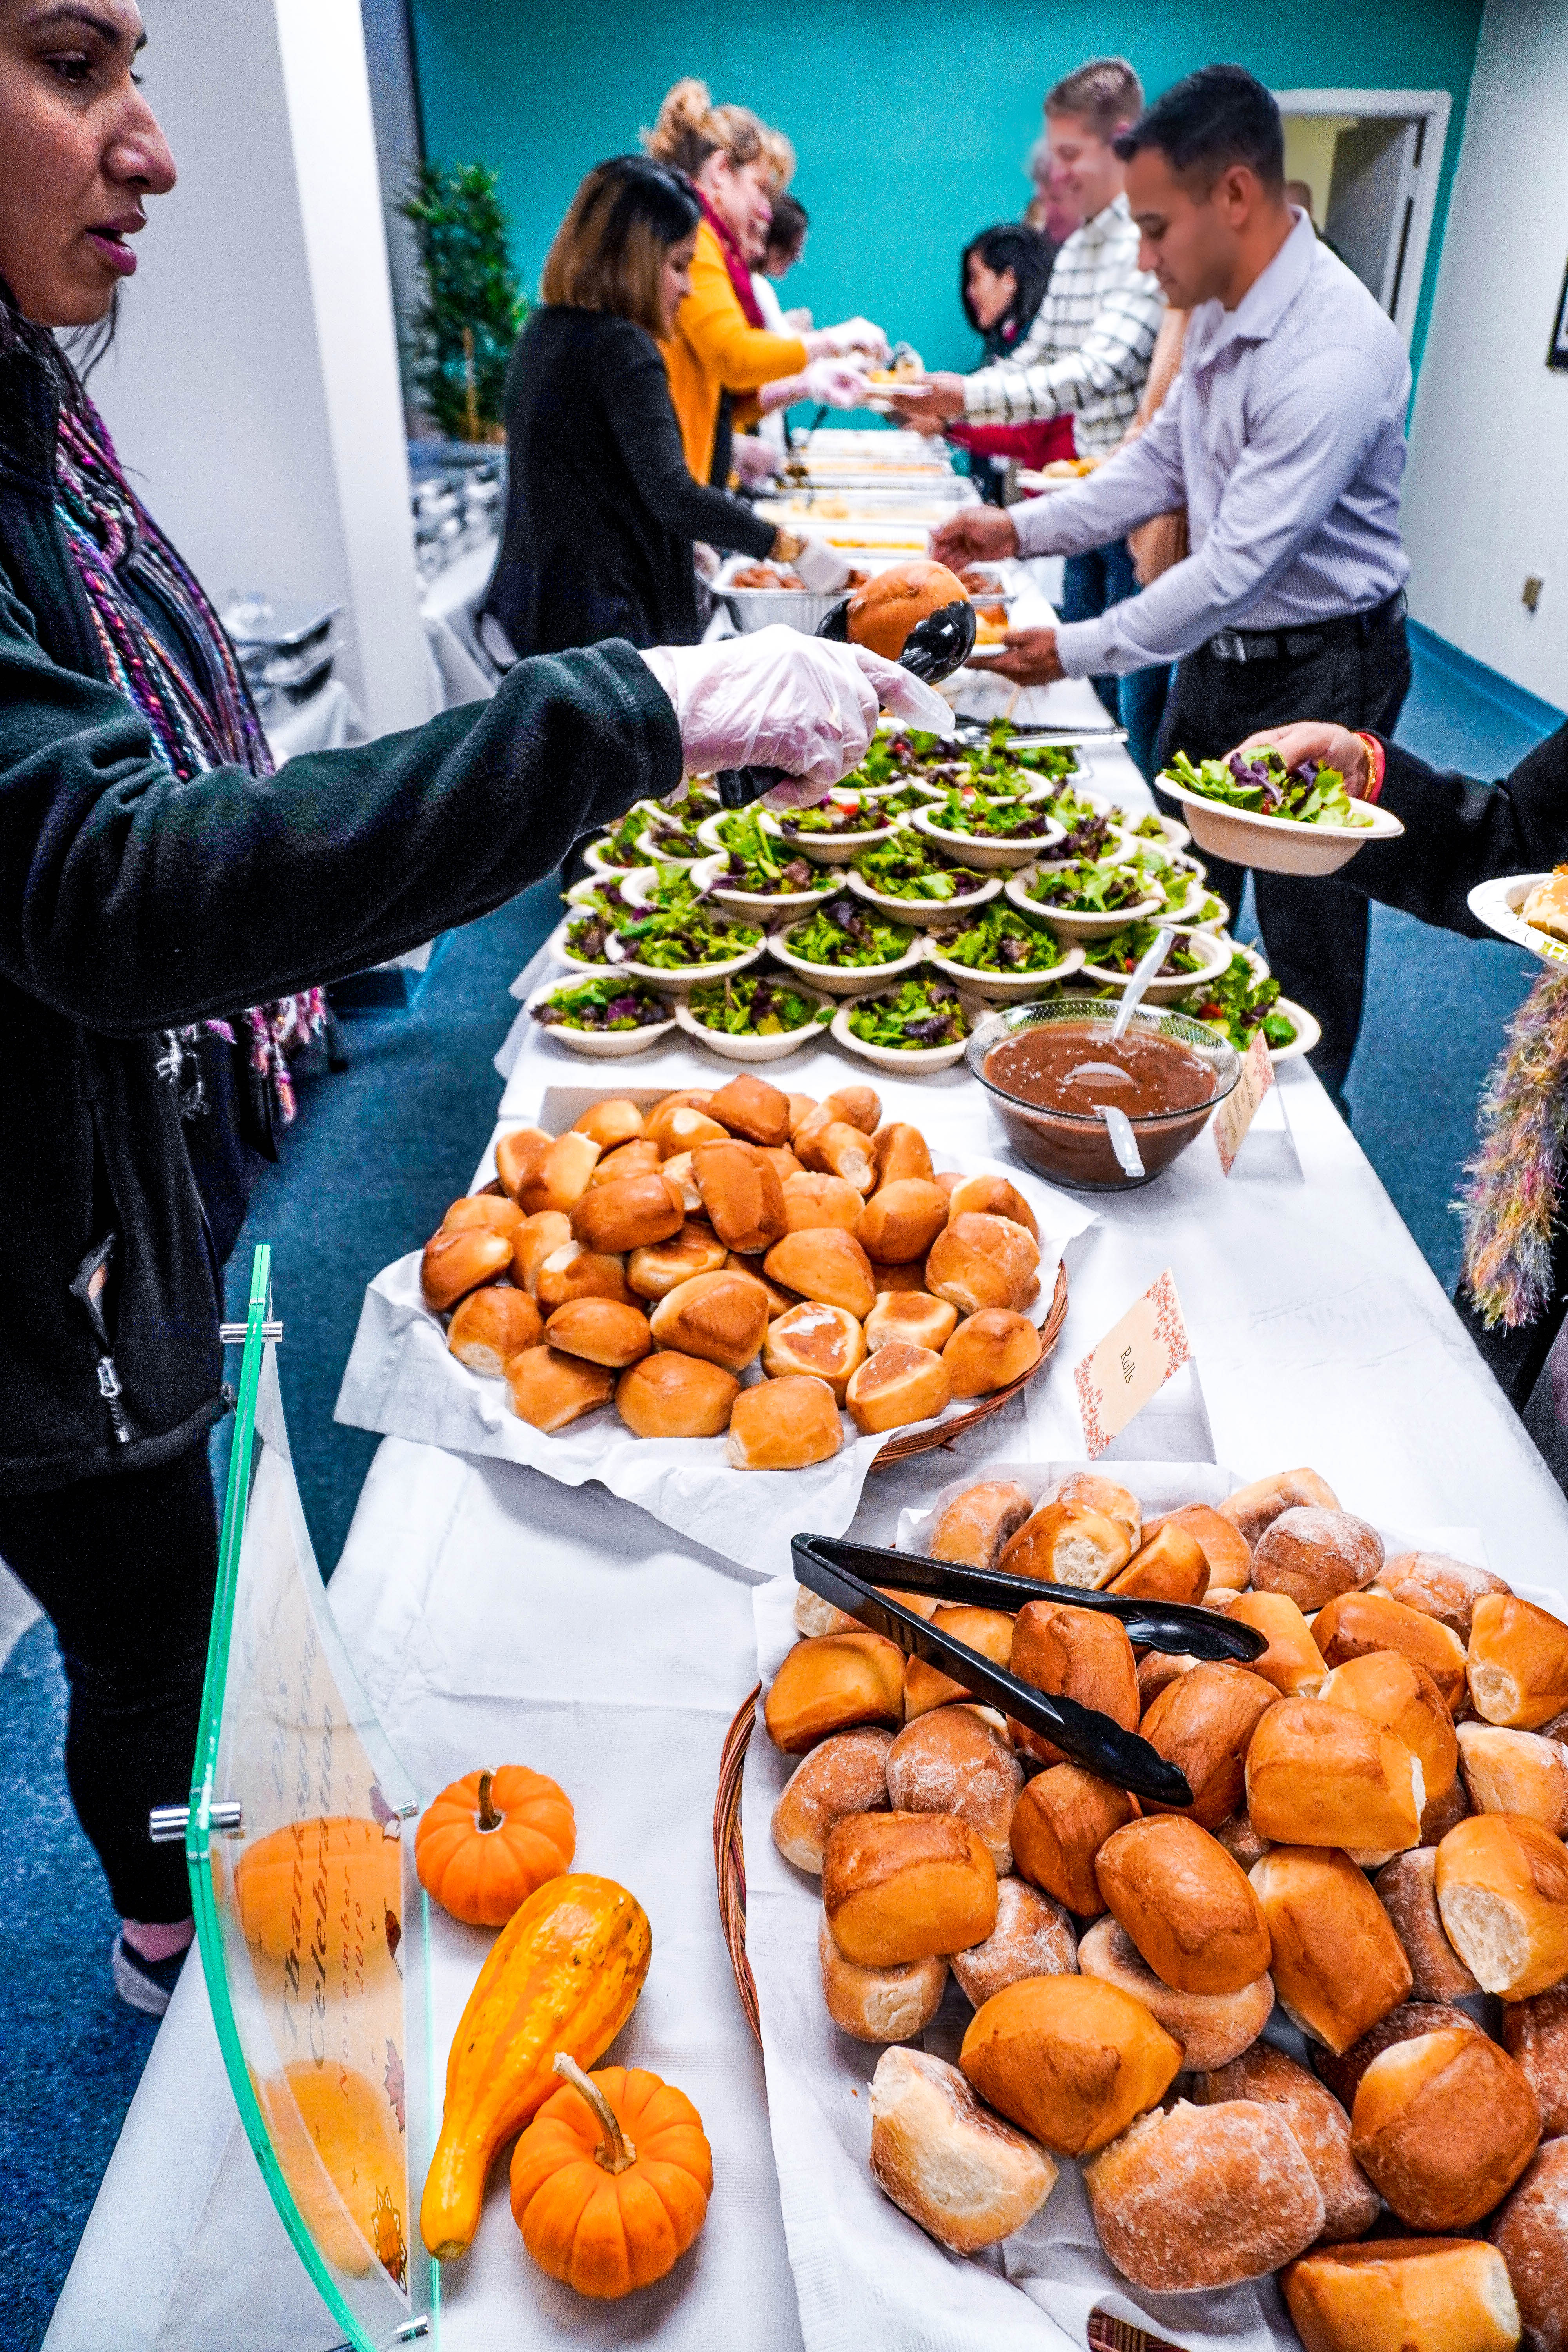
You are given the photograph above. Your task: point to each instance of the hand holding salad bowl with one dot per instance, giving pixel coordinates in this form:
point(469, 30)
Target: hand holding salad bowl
point(1290, 800)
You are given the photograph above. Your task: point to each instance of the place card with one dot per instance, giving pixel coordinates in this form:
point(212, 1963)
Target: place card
point(1239, 1108)
point(1132, 1364)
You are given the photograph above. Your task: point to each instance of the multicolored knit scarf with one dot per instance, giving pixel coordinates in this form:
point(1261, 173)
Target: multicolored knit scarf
point(1510, 1205)
point(197, 722)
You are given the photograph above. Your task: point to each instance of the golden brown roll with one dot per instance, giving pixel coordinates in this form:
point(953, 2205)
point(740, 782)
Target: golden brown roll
point(1531, 2235)
point(1186, 1904)
point(837, 1683)
point(1169, 1567)
point(549, 1390)
point(1440, 1586)
point(1241, 1841)
point(814, 1340)
point(672, 1395)
point(1535, 2035)
point(515, 1153)
point(989, 1630)
point(953, 1760)
point(992, 1196)
point(901, 1221)
point(453, 1263)
point(812, 1615)
point(965, 2176)
point(1253, 1508)
point(1341, 2071)
point(856, 1105)
point(1443, 2127)
point(1034, 1936)
point(573, 1272)
point(890, 2004)
point(1320, 1775)
point(910, 1277)
point(1229, 1558)
point(639, 1157)
point(1157, 1669)
point(784, 1425)
point(898, 1385)
point(696, 1249)
point(779, 1300)
point(723, 1317)
point(742, 1194)
point(782, 1160)
point(491, 1327)
point(991, 1350)
point(973, 1528)
point(911, 1315)
point(1407, 1890)
point(1205, 1723)
point(1355, 1625)
point(834, 1148)
point(1204, 2197)
point(752, 1109)
point(892, 602)
point(899, 1886)
point(1314, 1554)
point(1068, 2058)
point(677, 1127)
point(1069, 1542)
point(846, 1774)
point(1440, 1814)
point(611, 1123)
point(812, 1200)
point(1059, 1824)
point(1208, 2027)
point(1390, 1689)
point(679, 1167)
point(1074, 1654)
point(800, 1108)
point(1502, 1891)
point(1403, 2294)
point(1338, 1965)
point(538, 1238)
point(484, 1212)
point(979, 1261)
point(901, 1150)
point(1504, 1771)
point(559, 1177)
point(631, 1215)
point(1321, 2126)
point(824, 1263)
point(1519, 1661)
point(601, 1331)
point(682, 1099)
point(1292, 1662)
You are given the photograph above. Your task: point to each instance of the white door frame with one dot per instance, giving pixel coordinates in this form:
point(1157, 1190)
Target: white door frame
point(1434, 106)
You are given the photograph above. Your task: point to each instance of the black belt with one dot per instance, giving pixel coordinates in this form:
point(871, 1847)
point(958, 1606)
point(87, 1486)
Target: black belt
point(1296, 645)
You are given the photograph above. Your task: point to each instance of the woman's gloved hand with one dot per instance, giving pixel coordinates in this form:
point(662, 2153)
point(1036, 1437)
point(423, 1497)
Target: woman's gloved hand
point(829, 384)
point(780, 699)
point(849, 335)
point(754, 461)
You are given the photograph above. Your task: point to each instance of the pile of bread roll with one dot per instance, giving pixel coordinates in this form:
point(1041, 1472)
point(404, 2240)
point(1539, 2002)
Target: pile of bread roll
point(648, 1260)
point(1376, 1837)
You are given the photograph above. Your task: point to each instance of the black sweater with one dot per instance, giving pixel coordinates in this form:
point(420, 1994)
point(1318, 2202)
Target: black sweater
point(1458, 832)
point(601, 511)
point(130, 902)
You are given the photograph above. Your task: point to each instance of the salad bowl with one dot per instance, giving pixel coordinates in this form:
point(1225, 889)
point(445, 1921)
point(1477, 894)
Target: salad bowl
point(1213, 957)
point(985, 938)
point(675, 977)
point(921, 997)
point(605, 1043)
point(826, 846)
point(744, 1043)
point(1076, 922)
point(989, 853)
point(1240, 829)
point(848, 979)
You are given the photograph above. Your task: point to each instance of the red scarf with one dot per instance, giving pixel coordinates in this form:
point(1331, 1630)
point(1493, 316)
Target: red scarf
point(735, 263)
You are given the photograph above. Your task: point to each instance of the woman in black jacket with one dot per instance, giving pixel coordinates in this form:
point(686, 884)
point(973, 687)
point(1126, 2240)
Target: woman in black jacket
point(602, 513)
point(154, 875)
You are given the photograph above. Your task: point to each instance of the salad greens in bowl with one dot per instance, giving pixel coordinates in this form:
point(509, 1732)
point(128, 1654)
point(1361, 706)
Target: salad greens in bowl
point(909, 879)
point(1002, 953)
point(669, 838)
point(1082, 897)
point(758, 1017)
point(754, 872)
point(835, 829)
point(1252, 809)
point(991, 835)
point(622, 846)
point(1182, 886)
point(607, 1017)
point(845, 942)
point(920, 1024)
point(1240, 999)
point(690, 942)
point(1191, 957)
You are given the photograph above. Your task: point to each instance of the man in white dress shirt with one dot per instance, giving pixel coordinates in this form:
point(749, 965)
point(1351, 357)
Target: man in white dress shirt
point(1284, 437)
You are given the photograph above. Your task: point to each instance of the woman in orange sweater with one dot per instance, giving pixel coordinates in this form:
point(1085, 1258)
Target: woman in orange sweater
point(721, 352)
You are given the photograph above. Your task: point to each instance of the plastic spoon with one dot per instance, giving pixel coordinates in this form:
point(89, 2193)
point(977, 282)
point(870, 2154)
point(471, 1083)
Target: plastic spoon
point(1123, 1142)
point(1132, 997)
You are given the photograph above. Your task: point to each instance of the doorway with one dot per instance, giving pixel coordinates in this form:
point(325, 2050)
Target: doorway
point(1366, 163)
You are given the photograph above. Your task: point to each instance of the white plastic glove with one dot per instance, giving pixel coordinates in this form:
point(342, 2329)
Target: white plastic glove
point(834, 384)
point(778, 698)
point(754, 461)
point(855, 335)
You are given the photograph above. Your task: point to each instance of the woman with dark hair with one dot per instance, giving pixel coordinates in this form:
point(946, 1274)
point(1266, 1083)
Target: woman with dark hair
point(1001, 282)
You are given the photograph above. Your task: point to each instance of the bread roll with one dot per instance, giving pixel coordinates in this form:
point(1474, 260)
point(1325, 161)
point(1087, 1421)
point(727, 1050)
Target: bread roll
point(992, 1196)
point(782, 1160)
point(965, 2176)
point(537, 1239)
point(813, 1200)
point(1208, 2027)
point(1502, 1891)
point(1341, 2071)
point(741, 1195)
point(973, 1529)
point(549, 1390)
point(1318, 1774)
point(629, 1215)
point(491, 1327)
point(453, 1263)
point(1504, 1771)
point(901, 1221)
point(1205, 2197)
point(1338, 1965)
point(1355, 1625)
point(723, 1317)
point(846, 1774)
point(1069, 1542)
point(677, 1127)
point(1034, 1936)
point(1074, 1654)
point(1241, 1841)
point(1406, 1888)
point(812, 1615)
point(678, 1169)
point(1440, 1814)
point(894, 602)
point(1531, 2235)
point(1321, 2126)
point(1519, 1661)
point(824, 1263)
point(901, 1150)
point(834, 1683)
point(484, 1212)
point(857, 1106)
point(1535, 2035)
point(898, 1385)
point(979, 1261)
point(1443, 2127)
point(800, 1107)
point(752, 1109)
point(1169, 1567)
point(515, 1153)
point(573, 1272)
point(1229, 1559)
point(1186, 1904)
point(990, 1351)
point(784, 1425)
point(600, 1331)
point(1403, 2294)
point(836, 1148)
point(1440, 1586)
point(611, 1123)
point(814, 1340)
point(1205, 1723)
point(779, 1300)
point(989, 1630)
point(899, 1886)
point(951, 1760)
point(1068, 2058)
point(913, 1316)
point(1292, 1662)
point(1313, 1554)
point(672, 1395)
point(559, 1177)
point(696, 1249)
point(1059, 1824)
point(639, 1157)
point(1253, 1508)
point(891, 2004)
point(1392, 1690)
point(900, 1278)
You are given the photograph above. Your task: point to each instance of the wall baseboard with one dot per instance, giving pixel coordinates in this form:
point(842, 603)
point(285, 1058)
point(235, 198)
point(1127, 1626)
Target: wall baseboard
point(1519, 703)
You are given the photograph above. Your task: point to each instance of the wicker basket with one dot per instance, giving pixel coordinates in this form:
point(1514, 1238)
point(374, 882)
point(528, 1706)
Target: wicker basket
point(923, 1441)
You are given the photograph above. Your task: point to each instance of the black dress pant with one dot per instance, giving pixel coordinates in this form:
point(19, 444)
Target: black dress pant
point(125, 1566)
point(1315, 932)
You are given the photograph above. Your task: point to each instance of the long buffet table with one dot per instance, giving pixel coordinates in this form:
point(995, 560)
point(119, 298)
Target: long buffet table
point(492, 1612)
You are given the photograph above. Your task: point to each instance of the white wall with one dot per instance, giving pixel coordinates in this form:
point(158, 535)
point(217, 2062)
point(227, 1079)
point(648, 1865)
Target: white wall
point(254, 390)
point(1485, 500)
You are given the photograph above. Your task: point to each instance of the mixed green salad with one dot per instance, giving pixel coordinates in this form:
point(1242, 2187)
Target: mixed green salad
point(692, 934)
point(909, 867)
point(623, 845)
point(922, 1010)
point(1148, 828)
point(1184, 893)
point(835, 814)
point(1125, 950)
point(672, 887)
point(1008, 819)
point(760, 865)
point(999, 939)
point(850, 936)
point(1264, 786)
point(669, 835)
point(1237, 1004)
point(601, 1004)
point(1078, 886)
point(754, 1005)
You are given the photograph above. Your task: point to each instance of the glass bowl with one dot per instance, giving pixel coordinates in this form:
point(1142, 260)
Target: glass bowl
point(1074, 1147)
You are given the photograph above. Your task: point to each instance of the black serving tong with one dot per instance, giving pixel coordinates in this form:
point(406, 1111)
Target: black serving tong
point(849, 1575)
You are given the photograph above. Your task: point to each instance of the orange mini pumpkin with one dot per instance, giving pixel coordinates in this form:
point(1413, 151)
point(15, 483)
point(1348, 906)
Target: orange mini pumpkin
point(491, 1840)
point(610, 2182)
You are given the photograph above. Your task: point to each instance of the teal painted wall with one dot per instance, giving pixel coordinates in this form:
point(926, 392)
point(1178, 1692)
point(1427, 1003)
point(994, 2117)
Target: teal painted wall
point(911, 117)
